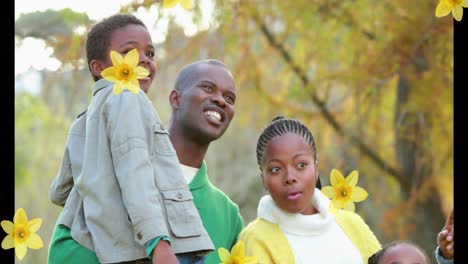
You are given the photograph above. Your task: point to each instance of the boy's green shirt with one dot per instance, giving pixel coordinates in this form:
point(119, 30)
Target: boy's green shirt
point(220, 216)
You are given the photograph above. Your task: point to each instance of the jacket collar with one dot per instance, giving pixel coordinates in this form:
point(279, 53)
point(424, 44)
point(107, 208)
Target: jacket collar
point(101, 84)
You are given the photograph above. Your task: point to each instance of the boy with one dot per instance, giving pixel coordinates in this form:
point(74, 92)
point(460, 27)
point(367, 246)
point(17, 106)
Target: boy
point(130, 193)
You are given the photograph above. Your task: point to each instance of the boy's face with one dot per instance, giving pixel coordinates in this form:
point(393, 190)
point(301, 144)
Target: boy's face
point(289, 173)
point(206, 107)
point(403, 254)
point(135, 37)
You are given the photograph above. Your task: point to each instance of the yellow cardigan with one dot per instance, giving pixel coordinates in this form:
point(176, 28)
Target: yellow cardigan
point(266, 240)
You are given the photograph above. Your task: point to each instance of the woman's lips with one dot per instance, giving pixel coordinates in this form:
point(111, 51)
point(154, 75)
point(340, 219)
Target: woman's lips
point(294, 195)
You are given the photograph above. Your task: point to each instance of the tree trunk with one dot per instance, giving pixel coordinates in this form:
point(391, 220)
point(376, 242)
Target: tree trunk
point(424, 217)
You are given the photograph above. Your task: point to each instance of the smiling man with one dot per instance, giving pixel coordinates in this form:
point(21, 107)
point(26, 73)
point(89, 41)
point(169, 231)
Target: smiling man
point(202, 103)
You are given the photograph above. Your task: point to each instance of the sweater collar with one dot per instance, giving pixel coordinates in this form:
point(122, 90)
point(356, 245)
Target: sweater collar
point(298, 224)
point(201, 178)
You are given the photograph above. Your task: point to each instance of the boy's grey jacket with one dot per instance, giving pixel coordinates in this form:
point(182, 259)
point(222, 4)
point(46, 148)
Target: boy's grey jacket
point(129, 187)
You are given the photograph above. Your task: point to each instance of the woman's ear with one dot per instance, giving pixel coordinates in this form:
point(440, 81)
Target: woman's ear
point(174, 99)
point(96, 67)
point(263, 182)
point(318, 183)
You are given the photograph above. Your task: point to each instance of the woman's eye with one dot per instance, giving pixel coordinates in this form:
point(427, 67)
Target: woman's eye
point(301, 165)
point(275, 170)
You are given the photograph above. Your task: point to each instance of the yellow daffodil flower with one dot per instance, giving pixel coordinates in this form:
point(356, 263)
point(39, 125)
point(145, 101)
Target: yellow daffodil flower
point(237, 255)
point(344, 192)
point(455, 6)
point(21, 233)
point(125, 72)
point(185, 4)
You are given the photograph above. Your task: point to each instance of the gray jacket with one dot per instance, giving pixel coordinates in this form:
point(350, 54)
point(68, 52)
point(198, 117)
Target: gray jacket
point(130, 188)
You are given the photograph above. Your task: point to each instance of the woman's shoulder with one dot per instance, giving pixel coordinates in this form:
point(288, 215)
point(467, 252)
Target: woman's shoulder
point(259, 227)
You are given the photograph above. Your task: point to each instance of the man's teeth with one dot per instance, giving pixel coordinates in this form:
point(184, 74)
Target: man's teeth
point(214, 114)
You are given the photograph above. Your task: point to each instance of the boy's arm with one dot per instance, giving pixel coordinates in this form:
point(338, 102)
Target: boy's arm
point(163, 253)
point(72, 160)
point(445, 240)
point(63, 181)
point(440, 259)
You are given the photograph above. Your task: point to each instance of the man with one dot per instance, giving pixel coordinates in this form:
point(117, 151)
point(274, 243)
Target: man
point(203, 107)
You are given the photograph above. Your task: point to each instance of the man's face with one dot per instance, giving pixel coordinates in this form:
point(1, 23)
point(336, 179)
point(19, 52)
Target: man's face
point(206, 106)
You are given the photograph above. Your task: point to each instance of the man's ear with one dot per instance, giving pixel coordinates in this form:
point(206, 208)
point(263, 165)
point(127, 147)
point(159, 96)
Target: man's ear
point(96, 67)
point(174, 99)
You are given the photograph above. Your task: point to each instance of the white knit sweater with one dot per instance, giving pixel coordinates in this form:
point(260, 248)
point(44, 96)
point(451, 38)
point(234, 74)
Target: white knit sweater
point(313, 238)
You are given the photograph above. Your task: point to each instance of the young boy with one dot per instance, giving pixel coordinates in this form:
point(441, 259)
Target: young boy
point(401, 252)
point(130, 194)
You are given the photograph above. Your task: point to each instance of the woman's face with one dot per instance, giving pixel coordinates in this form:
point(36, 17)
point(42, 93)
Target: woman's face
point(289, 173)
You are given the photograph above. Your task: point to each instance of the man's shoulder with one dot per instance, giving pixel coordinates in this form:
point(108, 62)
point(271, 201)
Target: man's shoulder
point(221, 196)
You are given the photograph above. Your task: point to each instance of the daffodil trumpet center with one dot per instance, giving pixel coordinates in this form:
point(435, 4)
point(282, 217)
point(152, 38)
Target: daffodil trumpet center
point(21, 233)
point(125, 72)
point(343, 192)
point(453, 3)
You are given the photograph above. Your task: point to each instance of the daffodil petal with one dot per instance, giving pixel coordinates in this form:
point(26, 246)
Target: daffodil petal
point(250, 260)
point(8, 226)
point(118, 88)
point(8, 242)
point(34, 241)
point(358, 194)
point(328, 191)
point(186, 4)
point(349, 206)
point(169, 3)
point(464, 3)
point(132, 58)
point(133, 86)
point(352, 178)
point(337, 203)
point(20, 251)
point(238, 249)
point(109, 74)
point(457, 13)
point(336, 177)
point(20, 217)
point(141, 72)
point(34, 224)
point(223, 254)
point(442, 9)
point(116, 58)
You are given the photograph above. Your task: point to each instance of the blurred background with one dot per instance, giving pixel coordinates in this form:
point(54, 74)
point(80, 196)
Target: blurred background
point(373, 80)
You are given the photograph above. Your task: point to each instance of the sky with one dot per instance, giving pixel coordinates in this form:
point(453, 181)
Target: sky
point(33, 53)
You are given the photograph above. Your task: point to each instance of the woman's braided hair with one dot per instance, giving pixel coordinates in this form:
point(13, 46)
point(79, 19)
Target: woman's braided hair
point(279, 126)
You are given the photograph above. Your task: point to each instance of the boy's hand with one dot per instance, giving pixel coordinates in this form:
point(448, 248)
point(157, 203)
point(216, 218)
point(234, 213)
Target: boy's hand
point(162, 253)
point(445, 238)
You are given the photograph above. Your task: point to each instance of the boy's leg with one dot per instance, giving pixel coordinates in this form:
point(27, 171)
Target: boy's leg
point(64, 249)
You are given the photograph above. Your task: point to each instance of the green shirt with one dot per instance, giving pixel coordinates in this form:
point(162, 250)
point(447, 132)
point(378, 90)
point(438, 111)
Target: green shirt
point(219, 214)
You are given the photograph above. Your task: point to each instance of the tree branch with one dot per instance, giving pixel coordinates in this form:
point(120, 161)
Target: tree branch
point(324, 110)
